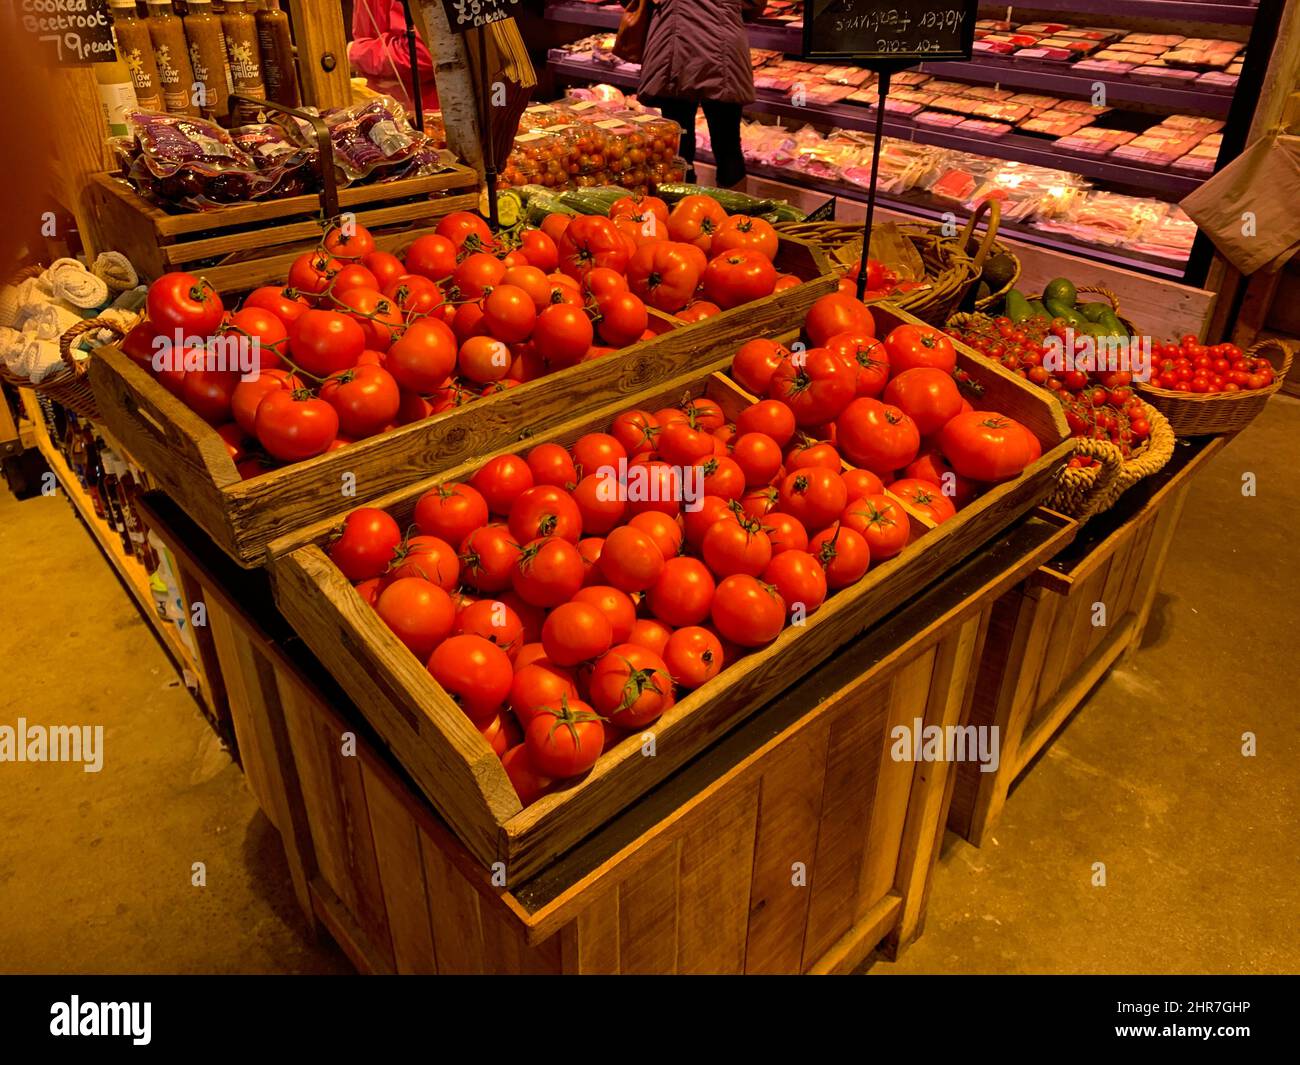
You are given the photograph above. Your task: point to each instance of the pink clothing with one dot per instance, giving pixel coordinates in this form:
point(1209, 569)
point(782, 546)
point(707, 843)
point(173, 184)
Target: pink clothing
point(379, 52)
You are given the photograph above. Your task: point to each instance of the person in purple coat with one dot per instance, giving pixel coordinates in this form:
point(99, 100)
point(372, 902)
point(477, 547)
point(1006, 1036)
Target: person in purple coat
point(697, 55)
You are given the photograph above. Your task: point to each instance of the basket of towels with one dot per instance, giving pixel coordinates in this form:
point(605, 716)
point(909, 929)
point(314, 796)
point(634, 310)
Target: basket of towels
point(52, 317)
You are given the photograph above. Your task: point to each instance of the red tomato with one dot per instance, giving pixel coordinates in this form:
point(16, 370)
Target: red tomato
point(495, 622)
point(539, 249)
point(488, 556)
point(209, 394)
point(785, 531)
point(924, 497)
point(432, 256)
point(635, 430)
point(933, 467)
point(544, 510)
point(877, 435)
point(683, 592)
point(312, 272)
point(738, 277)
point(837, 313)
point(501, 481)
point(182, 301)
point(861, 482)
point(590, 241)
point(352, 275)
point(428, 557)
point(269, 332)
point(698, 311)
point(698, 519)
point(663, 275)
point(420, 614)
point(694, 219)
point(366, 399)
point(755, 363)
point(869, 358)
point(475, 672)
point(651, 634)
point(736, 544)
point(988, 447)
point(293, 426)
point(663, 530)
point(912, 346)
point(630, 560)
point(326, 342)
point(269, 298)
point(414, 294)
point(882, 523)
point(928, 396)
point(758, 456)
point(551, 464)
point(576, 632)
point(510, 313)
point(386, 267)
point(770, 417)
point(464, 227)
point(348, 241)
point(743, 232)
point(548, 572)
point(423, 358)
point(814, 495)
point(366, 544)
point(450, 511)
point(693, 656)
point(746, 611)
point(529, 784)
point(816, 385)
point(563, 333)
point(616, 605)
point(630, 686)
point(843, 552)
point(811, 452)
point(483, 360)
point(621, 318)
point(565, 740)
point(799, 578)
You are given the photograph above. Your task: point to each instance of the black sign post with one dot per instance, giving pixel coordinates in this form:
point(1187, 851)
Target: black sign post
point(464, 15)
point(886, 37)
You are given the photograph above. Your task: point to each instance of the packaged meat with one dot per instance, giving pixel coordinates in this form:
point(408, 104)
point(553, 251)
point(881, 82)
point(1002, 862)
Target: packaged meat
point(984, 127)
point(954, 185)
point(1104, 66)
point(1049, 55)
point(1164, 73)
point(942, 119)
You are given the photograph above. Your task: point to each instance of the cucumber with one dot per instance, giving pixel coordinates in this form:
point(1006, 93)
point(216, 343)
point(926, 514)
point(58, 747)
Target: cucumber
point(784, 212)
point(587, 201)
point(527, 192)
point(1095, 312)
point(541, 204)
point(1017, 307)
point(1058, 309)
point(1112, 323)
point(1040, 309)
point(734, 202)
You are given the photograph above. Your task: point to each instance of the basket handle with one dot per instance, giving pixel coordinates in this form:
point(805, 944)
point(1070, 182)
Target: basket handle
point(1112, 463)
point(71, 335)
point(1288, 353)
point(325, 157)
point(994, 207)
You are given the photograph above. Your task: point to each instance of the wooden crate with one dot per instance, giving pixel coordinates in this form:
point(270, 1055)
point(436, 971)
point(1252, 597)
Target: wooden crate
point(1053, 637)
point(240, 247)
point(189, 459)
point(699, 876)
point(452, 763)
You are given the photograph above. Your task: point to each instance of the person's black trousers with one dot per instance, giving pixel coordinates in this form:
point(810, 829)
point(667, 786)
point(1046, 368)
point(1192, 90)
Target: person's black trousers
point(724, 132)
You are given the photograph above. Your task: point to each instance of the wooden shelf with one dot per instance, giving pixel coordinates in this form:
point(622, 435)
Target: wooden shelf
point(129, 571)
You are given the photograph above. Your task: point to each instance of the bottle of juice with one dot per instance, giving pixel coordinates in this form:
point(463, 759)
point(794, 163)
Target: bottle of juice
point(135, 49)
point(276, 45)
point(172, 54)
point(245, 57)
point(207, 43)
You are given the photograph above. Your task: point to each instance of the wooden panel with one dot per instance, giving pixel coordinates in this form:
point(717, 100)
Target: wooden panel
point(340, 825)
point(852, 761)
point(647, 916)
point(717, 863)
point(908, 692)
point(453, 913)
point(594, 935)
point(322, 46)
point(789, 809)
point(401, 875)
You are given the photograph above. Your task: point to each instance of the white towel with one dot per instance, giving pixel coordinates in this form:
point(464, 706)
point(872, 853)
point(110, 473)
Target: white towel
point(38, 360)
point(115, 270)
point(12, 344)
point(49, 321)
point(70, 281)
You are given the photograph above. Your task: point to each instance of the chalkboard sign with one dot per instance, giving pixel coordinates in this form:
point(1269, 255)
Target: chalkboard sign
point(70, 32)
point(465, 15)
point(899, 31)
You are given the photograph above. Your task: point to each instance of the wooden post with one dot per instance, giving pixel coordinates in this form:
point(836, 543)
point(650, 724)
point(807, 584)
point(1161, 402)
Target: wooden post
point(455, 87)
point(322, 52)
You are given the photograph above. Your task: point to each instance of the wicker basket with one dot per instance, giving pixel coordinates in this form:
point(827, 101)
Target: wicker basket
point(948, 270)
point(1084, 491)
point(1087, 490)
point(69, 385)
point(1205, 414)
point(988, 246)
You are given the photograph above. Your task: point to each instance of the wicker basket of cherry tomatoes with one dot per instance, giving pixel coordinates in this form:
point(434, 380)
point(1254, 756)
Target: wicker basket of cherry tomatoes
point(1218, 388)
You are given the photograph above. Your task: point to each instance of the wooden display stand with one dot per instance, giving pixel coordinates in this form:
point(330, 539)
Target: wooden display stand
point(1047, 649)
point(797, 843)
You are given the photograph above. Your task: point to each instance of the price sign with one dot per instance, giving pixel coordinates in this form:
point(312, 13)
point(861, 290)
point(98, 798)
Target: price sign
point(465, 15)
point(901, 32)
point(70, 32)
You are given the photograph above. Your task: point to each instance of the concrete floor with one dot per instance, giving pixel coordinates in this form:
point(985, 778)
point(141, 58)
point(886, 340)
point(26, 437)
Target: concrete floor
point(1199, 842)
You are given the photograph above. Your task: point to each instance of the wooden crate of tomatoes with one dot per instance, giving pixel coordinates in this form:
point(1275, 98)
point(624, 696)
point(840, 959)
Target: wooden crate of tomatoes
point(369, 370)
point(525, 630)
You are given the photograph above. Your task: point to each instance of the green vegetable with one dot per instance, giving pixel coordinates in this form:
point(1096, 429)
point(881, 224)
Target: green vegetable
point(1094, 312)
point(1040, 309)
point(734, 202)
point(998, 271)
point(592, 201)
point(1058, 309)
point(542, 204)
point(1017, 307)
point(1060, 290)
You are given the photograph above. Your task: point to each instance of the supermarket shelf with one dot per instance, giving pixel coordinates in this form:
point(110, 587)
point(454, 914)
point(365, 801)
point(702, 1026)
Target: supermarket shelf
point(129, 571)
point(1014, 147)
point(1207, 11)
point(934, 210)
point(1052, 78)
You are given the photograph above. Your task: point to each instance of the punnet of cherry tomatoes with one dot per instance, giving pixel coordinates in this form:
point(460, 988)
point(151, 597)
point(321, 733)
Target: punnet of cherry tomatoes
point(568, 597)
point(1101, 404)
point(359, 341)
